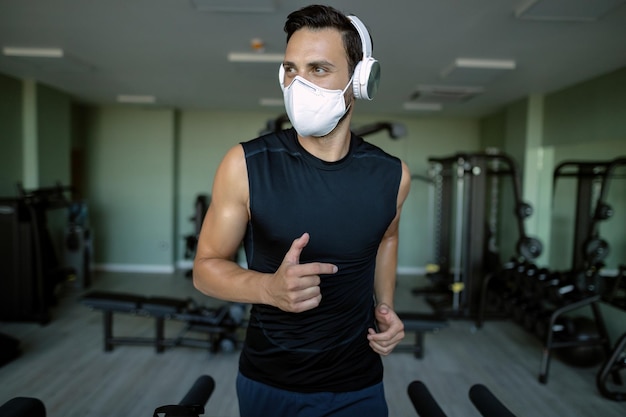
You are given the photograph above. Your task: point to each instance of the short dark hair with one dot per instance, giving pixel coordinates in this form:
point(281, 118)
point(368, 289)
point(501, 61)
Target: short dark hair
point(319, 17)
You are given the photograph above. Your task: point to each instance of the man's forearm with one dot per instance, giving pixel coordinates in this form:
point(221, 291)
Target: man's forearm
point(385, 276)
point(226, 280)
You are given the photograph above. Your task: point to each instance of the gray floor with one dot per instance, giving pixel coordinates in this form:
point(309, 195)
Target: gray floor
point(65, 366)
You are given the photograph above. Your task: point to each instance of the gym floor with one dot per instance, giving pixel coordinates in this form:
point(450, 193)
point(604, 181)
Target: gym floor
point(64, 365)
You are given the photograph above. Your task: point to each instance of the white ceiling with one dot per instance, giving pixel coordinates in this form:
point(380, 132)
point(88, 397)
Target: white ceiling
point(169, 49)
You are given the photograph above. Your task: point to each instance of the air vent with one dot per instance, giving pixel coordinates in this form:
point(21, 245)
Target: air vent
point(444, 94)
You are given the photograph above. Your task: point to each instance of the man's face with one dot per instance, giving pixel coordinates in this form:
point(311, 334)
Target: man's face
point(317, 56)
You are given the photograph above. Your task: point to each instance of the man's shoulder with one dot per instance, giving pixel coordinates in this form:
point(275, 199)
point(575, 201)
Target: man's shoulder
point(266, 141)
point(270, 137)
point(365, 148)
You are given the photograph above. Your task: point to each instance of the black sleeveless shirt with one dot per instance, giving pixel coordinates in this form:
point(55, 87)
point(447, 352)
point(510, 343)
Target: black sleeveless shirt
point(346, 207)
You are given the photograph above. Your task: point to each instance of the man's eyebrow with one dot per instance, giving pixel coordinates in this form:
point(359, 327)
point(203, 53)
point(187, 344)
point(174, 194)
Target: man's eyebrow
point(322, 63)
point(312, 64)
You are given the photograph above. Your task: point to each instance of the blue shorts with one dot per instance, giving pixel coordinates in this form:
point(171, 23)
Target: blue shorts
point(260, 400)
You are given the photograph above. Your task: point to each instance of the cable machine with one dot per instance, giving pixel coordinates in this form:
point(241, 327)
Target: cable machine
point(467, 197)
point(29, 263)
point(593, 179)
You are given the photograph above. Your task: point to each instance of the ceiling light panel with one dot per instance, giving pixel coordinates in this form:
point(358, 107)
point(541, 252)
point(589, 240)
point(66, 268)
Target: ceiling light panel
point(413, 106)
point(271, 102)
point(473, 71)
point(235, 6)
point(251, 57)
point(565, 10)
point(136, 99)
point(29, 52)
point(46, 59)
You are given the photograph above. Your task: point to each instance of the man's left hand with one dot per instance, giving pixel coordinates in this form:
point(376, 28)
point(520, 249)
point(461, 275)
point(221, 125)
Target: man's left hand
point(390, 330)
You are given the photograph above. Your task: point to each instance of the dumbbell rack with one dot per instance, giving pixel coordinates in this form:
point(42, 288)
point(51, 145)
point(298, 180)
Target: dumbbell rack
point(519, 290)
point(616, 362)
point(551, 342)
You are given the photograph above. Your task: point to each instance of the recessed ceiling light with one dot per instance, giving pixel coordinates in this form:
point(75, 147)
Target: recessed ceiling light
point(255, 57)
point(487, 64)
point(271, 102)
point(476, 71)
point(409, 105)
point(32, 52)
point(235, 6)
point(136, 99)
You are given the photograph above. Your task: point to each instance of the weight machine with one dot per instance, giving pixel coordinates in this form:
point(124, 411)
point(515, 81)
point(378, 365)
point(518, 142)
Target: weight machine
point(467, 192)
point(191, 241)
point(30, 267)
point(593, 177)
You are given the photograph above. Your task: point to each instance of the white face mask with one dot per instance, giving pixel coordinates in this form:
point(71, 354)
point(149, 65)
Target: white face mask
point(313, 110)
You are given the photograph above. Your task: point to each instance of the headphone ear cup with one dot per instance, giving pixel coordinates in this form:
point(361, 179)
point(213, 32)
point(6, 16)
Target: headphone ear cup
point(366, 79)
point(356, 81)
point(281, 76)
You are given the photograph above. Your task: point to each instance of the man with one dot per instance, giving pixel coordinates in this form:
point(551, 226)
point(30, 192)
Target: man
point(318, 211)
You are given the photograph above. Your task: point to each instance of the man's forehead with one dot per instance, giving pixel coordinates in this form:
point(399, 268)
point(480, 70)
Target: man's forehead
point(315, 45)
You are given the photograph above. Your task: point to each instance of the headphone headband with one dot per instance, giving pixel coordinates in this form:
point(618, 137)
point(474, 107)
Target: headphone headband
point(366, 40)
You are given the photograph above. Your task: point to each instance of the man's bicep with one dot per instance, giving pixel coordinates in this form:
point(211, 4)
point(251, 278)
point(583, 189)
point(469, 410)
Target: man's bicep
point(226, 220)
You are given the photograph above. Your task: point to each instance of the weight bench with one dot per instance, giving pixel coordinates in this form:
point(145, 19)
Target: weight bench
point(420, 323)
point(216, 323)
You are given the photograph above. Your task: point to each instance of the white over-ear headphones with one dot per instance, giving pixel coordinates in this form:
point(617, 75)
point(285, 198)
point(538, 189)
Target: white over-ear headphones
point(367, 72)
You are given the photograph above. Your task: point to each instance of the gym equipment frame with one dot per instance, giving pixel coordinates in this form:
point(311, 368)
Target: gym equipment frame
point(462, 181)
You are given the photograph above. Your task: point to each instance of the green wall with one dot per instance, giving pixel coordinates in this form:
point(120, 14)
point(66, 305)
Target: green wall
point(35, 143)
point(10, 135)
point(590, 112)
point(130, 153)
point(53, 136)
point(53, 148)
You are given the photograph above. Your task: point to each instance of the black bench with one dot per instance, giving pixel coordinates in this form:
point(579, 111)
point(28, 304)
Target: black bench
point(420, 323)
point(216, 323)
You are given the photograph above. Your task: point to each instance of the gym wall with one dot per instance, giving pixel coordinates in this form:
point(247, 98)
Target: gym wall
point(10, 134)
point(130, 187)
point(34, 142)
